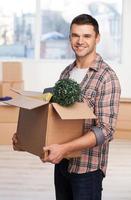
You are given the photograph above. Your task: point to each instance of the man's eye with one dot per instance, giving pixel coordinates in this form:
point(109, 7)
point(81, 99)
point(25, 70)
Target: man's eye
point(87, 36)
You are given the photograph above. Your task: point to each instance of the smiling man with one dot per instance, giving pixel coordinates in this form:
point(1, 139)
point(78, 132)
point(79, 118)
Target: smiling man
point(81, 178)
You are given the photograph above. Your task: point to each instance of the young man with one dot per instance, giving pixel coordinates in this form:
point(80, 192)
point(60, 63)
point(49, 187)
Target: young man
point(81, 178)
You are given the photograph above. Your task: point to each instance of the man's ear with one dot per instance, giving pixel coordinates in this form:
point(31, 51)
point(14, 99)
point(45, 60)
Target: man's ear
point(97, 38)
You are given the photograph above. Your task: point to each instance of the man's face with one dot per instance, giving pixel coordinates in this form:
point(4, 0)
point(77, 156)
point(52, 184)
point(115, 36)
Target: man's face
point(83, 39)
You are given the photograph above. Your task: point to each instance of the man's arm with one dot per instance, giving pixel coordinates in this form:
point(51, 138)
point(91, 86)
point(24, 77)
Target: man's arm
point(57, 152)
point(106, 110)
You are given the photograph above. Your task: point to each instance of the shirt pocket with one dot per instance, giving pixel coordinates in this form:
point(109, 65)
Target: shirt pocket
point(90, 96)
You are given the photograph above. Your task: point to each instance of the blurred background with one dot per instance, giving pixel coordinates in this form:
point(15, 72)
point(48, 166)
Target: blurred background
point(36, 33)
point(34, 49)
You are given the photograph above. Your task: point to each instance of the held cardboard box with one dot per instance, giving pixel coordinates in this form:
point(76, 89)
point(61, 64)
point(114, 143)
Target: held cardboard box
point(11, 71)
point(6, 88)
point(42, 123)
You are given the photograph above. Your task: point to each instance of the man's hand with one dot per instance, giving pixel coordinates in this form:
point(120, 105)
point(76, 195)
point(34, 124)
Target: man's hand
point(14, 141)
point(54, 153)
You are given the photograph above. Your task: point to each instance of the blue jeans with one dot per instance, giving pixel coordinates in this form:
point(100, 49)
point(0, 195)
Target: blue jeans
point(72, 186)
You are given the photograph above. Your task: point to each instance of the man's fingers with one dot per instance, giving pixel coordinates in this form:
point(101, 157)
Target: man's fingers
point(46, 152)
point(46, 148)
point(14, 138)
point(42, 157)
point(45, 155)
point(14, 141)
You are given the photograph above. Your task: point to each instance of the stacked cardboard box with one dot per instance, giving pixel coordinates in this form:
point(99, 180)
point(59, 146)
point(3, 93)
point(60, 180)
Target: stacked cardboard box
point(8, 123)
point(11, 78)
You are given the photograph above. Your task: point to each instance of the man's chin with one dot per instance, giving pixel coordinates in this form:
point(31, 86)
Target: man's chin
point(81, 54)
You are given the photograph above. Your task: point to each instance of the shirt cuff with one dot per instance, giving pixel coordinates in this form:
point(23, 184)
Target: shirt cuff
point(99, 135)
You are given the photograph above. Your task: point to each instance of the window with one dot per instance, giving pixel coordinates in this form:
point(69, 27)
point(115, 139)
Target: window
point(40, 28)
point(57, 15)
point(17, 29)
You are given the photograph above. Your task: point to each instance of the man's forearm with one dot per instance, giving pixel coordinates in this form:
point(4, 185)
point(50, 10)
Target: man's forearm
point(58, 151)
point(88, 140)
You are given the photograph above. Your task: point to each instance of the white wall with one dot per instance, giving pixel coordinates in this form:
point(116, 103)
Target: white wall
point(38, 75)
point(125, 69)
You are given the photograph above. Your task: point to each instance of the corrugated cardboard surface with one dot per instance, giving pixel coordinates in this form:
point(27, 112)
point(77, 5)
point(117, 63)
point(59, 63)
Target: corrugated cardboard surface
point(0, 71)
point(27, 93)
point(1, 89)
point(75, 111)
point(8, 114)
point(25, 102)
point(59, 130)
point(6, 132)
point(12, 71)
point(43, 126)
point(41, 123)
point(5, 88)
point(31, 129)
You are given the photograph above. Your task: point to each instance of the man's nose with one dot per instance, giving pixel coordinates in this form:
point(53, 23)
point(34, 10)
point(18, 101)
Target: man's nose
point(80, 40)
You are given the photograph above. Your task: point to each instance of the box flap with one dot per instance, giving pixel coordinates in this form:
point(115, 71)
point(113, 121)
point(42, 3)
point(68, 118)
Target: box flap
point(26, 93)
point(3, 104)
point(75, 111)
point(25, 102)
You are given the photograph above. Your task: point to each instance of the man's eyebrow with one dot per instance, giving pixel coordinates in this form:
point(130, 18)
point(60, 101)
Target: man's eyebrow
point(86, 34)
point(75, 34)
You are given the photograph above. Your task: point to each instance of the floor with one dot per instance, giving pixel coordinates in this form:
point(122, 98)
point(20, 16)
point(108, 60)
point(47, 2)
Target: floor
point(24, 177)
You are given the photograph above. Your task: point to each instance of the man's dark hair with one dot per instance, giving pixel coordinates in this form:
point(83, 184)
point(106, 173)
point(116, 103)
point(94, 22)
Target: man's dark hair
point(86, 19)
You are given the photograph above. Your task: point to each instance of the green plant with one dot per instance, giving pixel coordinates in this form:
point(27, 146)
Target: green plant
point(66, 92)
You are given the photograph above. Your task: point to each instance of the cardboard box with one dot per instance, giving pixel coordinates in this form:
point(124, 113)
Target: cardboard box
point(8, 114)
point(41, 123)
point(6, 133)
point(6, 88)
point(12, 71)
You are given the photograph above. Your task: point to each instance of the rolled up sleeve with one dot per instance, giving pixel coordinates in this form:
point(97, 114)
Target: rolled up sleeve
point(106, 109)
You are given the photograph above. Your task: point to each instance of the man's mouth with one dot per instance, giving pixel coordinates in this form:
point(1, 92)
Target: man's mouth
point(80, 48)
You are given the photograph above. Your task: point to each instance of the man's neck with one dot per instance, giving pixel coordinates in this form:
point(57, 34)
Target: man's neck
point(85, 62)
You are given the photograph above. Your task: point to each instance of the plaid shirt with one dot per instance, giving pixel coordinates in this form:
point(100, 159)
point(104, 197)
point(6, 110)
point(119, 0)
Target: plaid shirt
point(101, 90)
